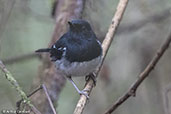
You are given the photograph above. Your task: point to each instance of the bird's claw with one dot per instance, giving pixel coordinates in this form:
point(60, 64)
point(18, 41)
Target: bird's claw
point(92, 76)
point(84, 92)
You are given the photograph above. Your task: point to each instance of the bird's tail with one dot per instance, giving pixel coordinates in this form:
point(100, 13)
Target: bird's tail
point(43, 50)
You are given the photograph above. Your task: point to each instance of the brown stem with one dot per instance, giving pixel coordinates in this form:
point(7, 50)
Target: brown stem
point(54, 81)
point(142, 76)
point(106, 44)
point(48, 97)
point(19, 102)
point(19, 58)
point(36, 90)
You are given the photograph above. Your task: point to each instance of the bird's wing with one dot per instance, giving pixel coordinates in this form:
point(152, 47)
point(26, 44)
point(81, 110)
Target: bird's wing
point(58, 50)
point(79, 50)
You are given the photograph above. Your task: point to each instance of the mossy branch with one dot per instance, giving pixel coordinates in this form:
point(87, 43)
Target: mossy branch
point(15, 84)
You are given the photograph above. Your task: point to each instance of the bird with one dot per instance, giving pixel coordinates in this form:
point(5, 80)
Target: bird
point(78, 52)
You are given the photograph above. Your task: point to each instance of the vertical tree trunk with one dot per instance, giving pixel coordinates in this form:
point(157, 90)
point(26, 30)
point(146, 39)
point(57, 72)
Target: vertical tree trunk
point(54, 81)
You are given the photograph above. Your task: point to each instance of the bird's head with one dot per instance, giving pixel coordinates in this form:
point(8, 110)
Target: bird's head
point(78, 26)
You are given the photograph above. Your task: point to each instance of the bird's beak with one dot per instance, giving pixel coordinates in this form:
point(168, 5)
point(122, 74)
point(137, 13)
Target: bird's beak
point(70, 23)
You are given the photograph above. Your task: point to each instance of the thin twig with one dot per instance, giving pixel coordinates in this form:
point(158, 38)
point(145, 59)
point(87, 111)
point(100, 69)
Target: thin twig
point(20, 58)
point(142, 76)
point(15, 84)
point(35, 110)
point(49, 100)
point(155, 18)
point(36, 90)
point(106, 44)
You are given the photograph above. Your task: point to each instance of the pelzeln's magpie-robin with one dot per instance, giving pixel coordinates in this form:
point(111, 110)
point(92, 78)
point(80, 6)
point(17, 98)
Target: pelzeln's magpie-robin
point(77, 53)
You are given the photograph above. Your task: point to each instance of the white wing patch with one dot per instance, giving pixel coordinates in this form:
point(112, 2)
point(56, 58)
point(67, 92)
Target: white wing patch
point(98, 42)
point(54, 46)
point(64, 51)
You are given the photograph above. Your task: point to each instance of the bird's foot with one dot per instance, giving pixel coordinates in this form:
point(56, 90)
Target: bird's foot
point(92, 76)
point(84, 92)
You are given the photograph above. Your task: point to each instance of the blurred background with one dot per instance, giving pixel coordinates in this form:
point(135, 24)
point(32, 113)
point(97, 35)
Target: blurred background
point(27, 25)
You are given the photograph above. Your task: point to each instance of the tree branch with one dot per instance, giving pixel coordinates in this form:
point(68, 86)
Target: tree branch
point(48, 97)
point(155, 18)
point(106, 44)
point(19, 58)
point(142, 76)
point(15, 84)
point(36, 90)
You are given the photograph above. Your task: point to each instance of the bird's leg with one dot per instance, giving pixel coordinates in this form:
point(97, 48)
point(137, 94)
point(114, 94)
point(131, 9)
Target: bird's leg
point(92, 76)
point(81, 92)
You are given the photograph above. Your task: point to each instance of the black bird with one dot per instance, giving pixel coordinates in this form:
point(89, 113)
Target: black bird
point(77, 53)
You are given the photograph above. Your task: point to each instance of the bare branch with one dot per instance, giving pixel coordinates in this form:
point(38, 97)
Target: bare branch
point(106, 44)
point(34, 109)
point(19, 58)
point(142, 76)
point(48, 97)
point(156, 18)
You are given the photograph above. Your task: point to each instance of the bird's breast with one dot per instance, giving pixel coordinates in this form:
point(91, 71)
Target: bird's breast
point(77, 68)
